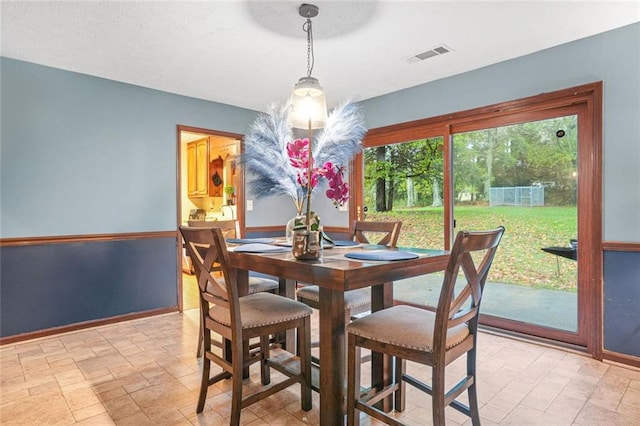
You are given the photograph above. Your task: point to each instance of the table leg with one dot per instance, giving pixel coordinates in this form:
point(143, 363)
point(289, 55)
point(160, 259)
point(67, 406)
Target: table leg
point(332, 357)
point(287, 288)
point(381, 365)
point(242, 279)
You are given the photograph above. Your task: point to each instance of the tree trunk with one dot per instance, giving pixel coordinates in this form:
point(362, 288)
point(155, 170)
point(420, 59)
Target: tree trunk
point(437, 199)
point(381, 190)
point(492, 142)
point(411, 198)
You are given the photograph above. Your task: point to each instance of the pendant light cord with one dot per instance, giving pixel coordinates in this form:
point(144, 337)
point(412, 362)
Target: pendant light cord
point(306, 27)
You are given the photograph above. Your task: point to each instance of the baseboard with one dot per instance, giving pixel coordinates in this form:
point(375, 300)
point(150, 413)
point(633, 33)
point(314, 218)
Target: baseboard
point(619, 358)
point(82, 325)
point(527, 338)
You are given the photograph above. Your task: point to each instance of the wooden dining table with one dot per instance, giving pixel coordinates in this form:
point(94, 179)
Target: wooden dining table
point(335, 274)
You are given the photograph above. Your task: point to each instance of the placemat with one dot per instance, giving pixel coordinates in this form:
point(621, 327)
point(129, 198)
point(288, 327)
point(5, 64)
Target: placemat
point(384, 255)
point(250, 240)
point(345, 243)
point(260, 248)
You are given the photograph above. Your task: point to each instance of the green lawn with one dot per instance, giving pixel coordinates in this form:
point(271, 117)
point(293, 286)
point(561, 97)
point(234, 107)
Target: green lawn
point(519, 259)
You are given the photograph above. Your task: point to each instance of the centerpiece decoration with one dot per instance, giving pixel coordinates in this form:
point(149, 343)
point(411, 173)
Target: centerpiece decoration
point(280, 162)
point(283, 164)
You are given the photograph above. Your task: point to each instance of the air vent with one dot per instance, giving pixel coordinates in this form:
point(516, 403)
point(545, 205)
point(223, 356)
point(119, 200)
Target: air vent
point(436, 51)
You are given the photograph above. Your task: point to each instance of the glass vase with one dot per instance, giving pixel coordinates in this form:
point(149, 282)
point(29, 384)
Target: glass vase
point(306, 245)
point(291, 225)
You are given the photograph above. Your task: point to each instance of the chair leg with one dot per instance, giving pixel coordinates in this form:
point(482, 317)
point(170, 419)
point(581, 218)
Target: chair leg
point(353, 381)
point(200, 349)
point(237, 377)
point(400, 394)
point(437, 395)
point(474, 412)
point(206, 369)
point(265, 371)
point(304, 349)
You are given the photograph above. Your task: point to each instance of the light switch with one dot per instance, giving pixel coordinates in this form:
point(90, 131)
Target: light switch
point(249, 205)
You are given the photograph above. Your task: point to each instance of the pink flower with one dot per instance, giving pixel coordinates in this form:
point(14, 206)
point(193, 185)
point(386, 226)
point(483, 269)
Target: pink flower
point(298, 152)
point(338, 189)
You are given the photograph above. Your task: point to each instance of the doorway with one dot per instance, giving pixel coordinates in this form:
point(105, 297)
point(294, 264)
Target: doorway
point(210, 187)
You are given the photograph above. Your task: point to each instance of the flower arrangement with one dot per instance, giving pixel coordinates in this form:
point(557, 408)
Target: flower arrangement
point(279, 164)
point(299, 158)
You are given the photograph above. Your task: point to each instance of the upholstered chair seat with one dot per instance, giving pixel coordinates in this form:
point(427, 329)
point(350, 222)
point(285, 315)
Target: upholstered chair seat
point(258, 284)
point(399, 328)
point(262, 309)
point(353, 300)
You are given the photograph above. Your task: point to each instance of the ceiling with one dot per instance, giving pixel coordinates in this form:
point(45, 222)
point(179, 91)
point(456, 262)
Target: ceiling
point(250, 53)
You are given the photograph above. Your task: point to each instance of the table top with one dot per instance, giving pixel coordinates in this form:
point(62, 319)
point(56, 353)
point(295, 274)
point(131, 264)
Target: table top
point(334, 270)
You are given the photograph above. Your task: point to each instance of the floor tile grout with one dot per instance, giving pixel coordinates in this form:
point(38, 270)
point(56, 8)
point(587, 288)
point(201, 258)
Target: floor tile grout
point(144, 371)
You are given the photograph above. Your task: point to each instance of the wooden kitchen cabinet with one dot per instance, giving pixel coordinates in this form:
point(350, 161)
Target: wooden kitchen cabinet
point(198, 168)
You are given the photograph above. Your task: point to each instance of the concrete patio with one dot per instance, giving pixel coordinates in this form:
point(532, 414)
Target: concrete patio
point(540, 306)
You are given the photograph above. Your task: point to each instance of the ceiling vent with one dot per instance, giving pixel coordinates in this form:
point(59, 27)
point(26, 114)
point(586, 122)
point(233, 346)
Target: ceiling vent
point(436, 51)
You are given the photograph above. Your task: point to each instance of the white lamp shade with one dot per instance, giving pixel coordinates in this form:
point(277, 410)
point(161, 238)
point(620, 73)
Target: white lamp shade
point(308, 105)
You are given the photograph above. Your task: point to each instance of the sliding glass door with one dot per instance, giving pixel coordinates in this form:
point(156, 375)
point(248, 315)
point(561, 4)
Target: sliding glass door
point(524, 177)
point(533, 165)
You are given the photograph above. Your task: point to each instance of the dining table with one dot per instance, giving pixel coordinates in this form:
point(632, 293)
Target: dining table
point(335, 273)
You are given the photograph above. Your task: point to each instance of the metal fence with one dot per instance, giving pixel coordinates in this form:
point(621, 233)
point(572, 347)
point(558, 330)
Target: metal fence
point(527, 196)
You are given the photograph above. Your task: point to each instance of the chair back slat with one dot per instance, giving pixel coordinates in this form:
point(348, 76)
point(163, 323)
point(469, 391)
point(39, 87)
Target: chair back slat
point(364, 230)
point(457, 305)
point(462, 317)
point(454, 310)
point(229, 228)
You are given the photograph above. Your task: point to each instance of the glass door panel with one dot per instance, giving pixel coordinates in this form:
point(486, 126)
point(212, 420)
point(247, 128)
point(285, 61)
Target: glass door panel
point(404, 181)
point(524, 176)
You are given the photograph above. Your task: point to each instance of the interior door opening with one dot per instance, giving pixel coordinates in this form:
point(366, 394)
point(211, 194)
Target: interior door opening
point(210, 188)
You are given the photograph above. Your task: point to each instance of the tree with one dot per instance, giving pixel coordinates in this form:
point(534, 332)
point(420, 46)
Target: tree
point(526, 154)
point(405, 171)
point(381, 179)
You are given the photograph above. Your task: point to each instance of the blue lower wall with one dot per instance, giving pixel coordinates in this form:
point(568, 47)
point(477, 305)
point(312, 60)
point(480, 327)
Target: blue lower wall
point(621, 296)
point(52, 285)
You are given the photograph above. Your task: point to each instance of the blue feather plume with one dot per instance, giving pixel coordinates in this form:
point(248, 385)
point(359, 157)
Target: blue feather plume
point(265, 156)
point(265, 149)
point(341, 138)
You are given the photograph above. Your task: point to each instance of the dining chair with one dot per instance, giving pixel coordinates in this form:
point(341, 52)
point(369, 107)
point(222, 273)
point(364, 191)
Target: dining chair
point(229, 228)
point(356, 301)
point(257, 283)
point(239, 319)
point(430, 338)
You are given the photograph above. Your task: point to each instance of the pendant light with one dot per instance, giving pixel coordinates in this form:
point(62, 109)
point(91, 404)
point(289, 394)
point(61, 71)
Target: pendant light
point(308, 103)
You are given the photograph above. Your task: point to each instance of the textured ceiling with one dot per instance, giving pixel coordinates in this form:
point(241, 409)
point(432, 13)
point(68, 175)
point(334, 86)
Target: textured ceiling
point(250, 53)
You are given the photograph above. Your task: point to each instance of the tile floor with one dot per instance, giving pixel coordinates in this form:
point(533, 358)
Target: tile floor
point(145, 372)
